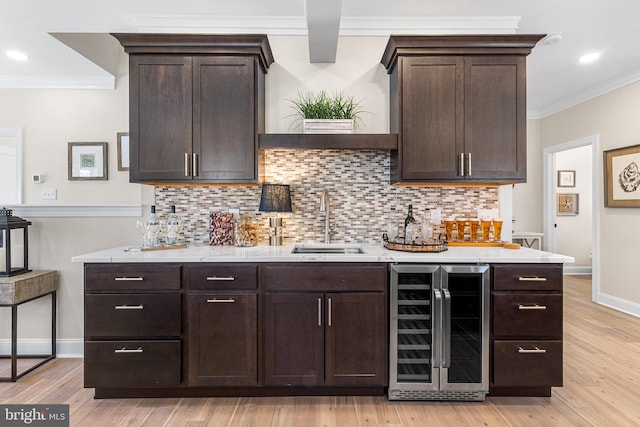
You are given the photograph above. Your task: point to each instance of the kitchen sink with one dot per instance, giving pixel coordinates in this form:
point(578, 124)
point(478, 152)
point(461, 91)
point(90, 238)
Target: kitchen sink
point(327, 250)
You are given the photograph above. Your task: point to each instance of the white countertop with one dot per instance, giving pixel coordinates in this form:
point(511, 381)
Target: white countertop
point(373, 253)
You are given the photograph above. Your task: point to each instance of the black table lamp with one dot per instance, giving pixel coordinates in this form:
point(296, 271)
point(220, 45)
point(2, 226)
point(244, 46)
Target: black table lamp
point(14, 244)
point(275, 198)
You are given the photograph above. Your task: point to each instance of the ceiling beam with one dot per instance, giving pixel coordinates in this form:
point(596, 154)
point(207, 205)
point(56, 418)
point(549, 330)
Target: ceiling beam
point(323, 26)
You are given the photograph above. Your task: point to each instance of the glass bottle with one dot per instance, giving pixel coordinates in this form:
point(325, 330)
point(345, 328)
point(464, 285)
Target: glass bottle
point(153, 226)
point(409, 223)
point(173, 227)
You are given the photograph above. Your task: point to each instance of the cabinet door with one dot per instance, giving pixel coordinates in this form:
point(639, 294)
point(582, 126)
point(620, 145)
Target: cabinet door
point(294, 339)
point(356, 339)
point(495, 118)
point(223, 338)
point(432, 113)
point(225, 136)
point(160, 128)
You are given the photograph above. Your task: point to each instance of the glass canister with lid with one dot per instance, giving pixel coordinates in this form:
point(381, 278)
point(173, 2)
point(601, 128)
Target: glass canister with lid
point(246, 231)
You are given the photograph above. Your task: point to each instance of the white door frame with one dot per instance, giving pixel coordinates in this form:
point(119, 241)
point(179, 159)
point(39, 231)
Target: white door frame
point(549, 168)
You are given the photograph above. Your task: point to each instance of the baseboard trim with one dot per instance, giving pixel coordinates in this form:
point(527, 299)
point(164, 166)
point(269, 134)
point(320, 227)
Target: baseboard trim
point(583, 270)
point(619, 304)
point(65, 348)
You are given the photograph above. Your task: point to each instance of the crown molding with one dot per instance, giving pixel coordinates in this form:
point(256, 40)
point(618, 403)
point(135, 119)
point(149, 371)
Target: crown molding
point(588, 94)
point(56, 82)
point(349, 26)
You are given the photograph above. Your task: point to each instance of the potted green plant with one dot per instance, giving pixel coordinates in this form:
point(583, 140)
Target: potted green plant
point(324, 113)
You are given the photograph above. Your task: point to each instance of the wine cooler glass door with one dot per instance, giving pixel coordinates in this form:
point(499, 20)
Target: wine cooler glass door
point(465, 320)
point(413, 314)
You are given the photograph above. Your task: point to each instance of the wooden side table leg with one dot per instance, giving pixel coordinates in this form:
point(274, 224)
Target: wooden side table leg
point(14, 342)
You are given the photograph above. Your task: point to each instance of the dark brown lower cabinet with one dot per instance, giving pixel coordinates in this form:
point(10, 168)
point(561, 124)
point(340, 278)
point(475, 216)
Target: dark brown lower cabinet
point(223, 337)
point(325, 339)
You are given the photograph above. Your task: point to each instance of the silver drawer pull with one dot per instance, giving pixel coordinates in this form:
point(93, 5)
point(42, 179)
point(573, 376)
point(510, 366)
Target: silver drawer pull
point(534, 350)
point(129, 279)
point(221, 278)
point(532, 307)
point(532, 279)
point(215, 300)
point(129, 307)
point(128, 350)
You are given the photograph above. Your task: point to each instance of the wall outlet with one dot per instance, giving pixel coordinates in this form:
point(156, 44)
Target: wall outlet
point(488, 213)
point(48, 194)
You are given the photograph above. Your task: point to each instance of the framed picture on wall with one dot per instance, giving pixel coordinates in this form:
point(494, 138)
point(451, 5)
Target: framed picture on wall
point(566, 178)
point(622, 177)
point(123, 151)
point(87, 161)
point(568, 204)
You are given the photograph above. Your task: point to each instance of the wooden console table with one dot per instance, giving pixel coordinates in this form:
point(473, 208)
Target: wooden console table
point(528, 238)
point(19, 289)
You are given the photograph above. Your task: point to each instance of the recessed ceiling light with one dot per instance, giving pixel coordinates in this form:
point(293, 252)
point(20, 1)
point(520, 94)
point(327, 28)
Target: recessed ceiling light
point(17, 55)
point(589, 57)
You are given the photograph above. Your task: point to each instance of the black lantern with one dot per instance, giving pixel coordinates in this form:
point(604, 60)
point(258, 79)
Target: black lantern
point(14, 244)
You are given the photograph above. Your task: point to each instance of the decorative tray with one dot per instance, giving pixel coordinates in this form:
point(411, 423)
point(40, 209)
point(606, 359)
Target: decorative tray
point(413, 247)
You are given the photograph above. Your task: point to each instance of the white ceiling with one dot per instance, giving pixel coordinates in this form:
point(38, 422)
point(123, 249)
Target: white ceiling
point(555, 78)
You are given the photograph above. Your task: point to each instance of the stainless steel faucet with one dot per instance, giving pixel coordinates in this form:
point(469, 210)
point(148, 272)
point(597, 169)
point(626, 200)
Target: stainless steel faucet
point(324, 207)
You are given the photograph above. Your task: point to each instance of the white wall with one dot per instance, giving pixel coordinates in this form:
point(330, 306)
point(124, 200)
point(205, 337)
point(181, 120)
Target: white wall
point(527, 197)
point(614, 117)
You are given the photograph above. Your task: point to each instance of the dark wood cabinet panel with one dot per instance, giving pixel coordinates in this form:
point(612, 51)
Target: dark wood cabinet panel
point(131, 277)
point(223, 339)
point(196, 106)
point(294, 339)
point(325, 276)
point(458, 104)
point(527, 315)
point(133, 315)
point(144, 363)
point(528, 363)
point(222, 276)
point(356, 339)
point(527, 277)
point(160, 116)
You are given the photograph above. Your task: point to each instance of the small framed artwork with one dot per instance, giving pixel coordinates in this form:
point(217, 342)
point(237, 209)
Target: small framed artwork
point(123, 151)
point(568, 204)
point(87, 161)
point(566, 178)
point(622, 177)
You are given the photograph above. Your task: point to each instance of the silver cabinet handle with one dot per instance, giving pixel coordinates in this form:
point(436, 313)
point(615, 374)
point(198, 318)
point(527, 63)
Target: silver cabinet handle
point(532, 279)
point(187, 165)
point(532, 307)
point(319, 311)
point(127, 350)
point(129, 307)
point(220, 278)
point(461, 172)
point(329, 320)
point(216, 300)
point(129, 279)
point(196, 172)
point(534, 350)
point(468, 164)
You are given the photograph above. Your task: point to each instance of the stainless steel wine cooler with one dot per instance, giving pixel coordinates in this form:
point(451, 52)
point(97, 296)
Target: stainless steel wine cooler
point(439, 332)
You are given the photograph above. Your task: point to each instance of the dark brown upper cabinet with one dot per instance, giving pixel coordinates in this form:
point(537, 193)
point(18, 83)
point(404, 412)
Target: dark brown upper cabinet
point(458, 105)
point(196, 106)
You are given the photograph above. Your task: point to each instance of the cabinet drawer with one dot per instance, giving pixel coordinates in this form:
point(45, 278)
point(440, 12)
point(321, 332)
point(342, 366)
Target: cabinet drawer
point(325, 277)
point(131, 363)
point(527, 363)
point(131, 277)
point(132, 315)
point(527, 315)
point(222, 276)
point(527, 277)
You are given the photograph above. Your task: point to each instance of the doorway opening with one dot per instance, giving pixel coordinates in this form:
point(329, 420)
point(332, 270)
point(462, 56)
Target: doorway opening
point(551, 189)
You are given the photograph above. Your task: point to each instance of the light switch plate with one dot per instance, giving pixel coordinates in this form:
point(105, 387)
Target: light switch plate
point(48, 194)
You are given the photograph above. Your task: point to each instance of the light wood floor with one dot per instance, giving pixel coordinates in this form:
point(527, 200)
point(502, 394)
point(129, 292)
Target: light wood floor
point(601, 388)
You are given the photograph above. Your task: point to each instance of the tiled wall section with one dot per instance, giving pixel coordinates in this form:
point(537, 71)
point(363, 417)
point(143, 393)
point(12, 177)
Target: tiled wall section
point(363, 204)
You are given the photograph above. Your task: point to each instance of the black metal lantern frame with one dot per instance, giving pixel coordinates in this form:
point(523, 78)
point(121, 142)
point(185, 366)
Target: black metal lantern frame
point(14, 244)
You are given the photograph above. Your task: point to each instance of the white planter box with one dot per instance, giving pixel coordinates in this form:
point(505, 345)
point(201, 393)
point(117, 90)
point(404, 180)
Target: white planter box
point(327, 126)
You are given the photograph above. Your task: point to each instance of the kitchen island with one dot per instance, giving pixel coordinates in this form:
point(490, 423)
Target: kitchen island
point(222, 321)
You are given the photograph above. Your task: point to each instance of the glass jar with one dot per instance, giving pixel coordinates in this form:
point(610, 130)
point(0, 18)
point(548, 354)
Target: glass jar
point(245, 231)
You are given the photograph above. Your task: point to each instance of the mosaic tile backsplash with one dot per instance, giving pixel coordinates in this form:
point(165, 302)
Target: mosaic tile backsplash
point(363, 204)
